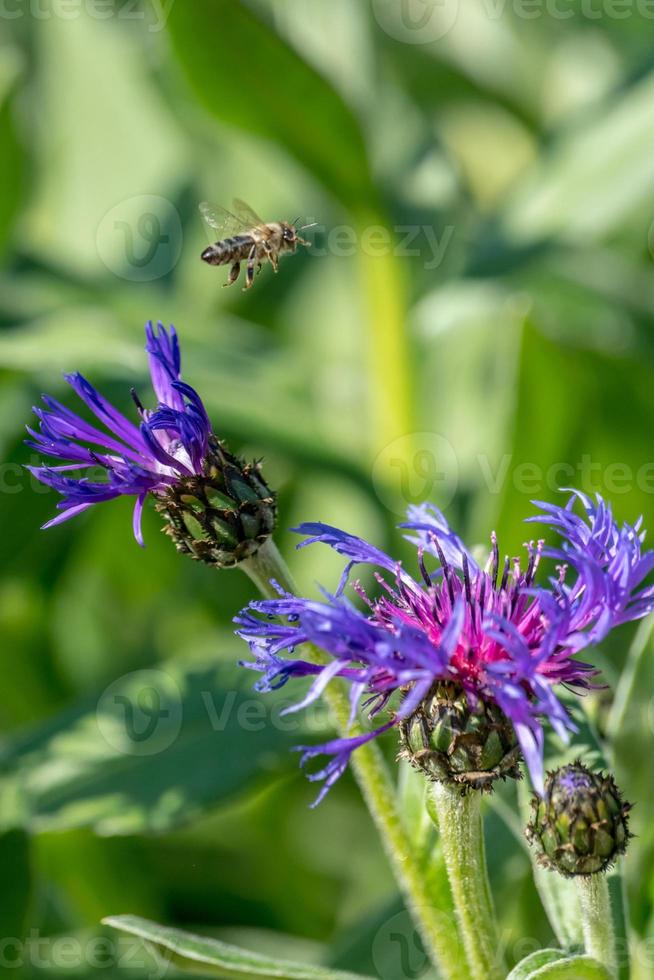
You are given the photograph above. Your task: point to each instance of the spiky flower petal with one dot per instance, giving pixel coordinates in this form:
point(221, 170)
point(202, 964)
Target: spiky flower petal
point(502, 641)
point(216, 507)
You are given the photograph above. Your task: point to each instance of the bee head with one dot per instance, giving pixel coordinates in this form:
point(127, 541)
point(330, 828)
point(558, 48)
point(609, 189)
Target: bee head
point(289, 236)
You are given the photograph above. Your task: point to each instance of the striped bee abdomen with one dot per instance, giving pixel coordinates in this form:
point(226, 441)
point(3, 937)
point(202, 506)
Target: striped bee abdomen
point(228, 250)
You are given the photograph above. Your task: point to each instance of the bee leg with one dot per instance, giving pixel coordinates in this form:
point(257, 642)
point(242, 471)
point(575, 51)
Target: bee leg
point(234, 273)
point(272, 258)
point(249, 274)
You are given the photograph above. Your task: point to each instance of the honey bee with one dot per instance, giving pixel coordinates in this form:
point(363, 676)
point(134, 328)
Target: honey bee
point(245, 237)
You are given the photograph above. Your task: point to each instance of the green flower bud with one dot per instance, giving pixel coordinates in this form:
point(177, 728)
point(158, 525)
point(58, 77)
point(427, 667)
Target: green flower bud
point(450, 741)
point(223, 516)
point(581, 824)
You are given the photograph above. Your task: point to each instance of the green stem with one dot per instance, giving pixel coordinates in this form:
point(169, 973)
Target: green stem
point(437, 931)
point(391, 391)
point(596, 919)
point(458, 817)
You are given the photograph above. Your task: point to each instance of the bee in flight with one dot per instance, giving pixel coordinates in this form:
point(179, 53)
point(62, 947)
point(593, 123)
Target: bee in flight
point(245, 237)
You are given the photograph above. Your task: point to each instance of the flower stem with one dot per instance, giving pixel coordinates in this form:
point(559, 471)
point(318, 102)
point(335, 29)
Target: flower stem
point(458, 817)
point(596, 919)
point(436, 929)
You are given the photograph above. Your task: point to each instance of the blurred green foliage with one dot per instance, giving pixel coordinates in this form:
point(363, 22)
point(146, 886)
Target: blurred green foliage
point(519, 335)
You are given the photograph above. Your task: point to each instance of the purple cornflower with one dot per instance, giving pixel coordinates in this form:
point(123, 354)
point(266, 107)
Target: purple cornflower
point(169, 444)
point(490, 630)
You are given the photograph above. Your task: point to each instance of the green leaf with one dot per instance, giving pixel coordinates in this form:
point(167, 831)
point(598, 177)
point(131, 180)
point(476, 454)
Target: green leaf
point(412, 788)
point(595, 176)
point(211, 957)
point(156, 748)
point(542, 957)
point(11, 168)
point(122, 158)
point(571, 968)
point(248, 77)
point(630, 727)
point(631, 735)
point(16, 870)
point(82, 954)
point(587, 385)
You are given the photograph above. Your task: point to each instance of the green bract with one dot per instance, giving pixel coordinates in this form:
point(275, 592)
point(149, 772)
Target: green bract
point(451, 741)
point(223, 516)
point(581, 823)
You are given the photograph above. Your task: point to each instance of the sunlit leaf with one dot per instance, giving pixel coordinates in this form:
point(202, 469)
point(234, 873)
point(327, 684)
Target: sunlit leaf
point(593, 177)
point(243, 72)
point(528, 966)
point(157, 747)
point(12, 164)
point(213, 958)
point(551, 964)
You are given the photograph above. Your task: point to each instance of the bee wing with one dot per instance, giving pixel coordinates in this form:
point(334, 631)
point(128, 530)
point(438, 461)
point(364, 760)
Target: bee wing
point(220, 220)
point(245, 214)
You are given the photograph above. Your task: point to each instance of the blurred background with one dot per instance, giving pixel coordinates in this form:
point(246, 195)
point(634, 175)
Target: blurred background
point(474, 324)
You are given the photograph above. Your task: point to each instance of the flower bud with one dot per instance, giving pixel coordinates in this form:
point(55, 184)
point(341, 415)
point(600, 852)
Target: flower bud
point(581, 824)
point(223, 515)
point(452, 740)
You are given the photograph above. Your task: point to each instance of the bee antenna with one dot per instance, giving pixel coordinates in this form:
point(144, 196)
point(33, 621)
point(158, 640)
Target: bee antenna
point(312, 225)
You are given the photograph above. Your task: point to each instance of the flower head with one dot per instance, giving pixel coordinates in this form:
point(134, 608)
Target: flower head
point(491, 632)
point(581, 824)
point(216, 508)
